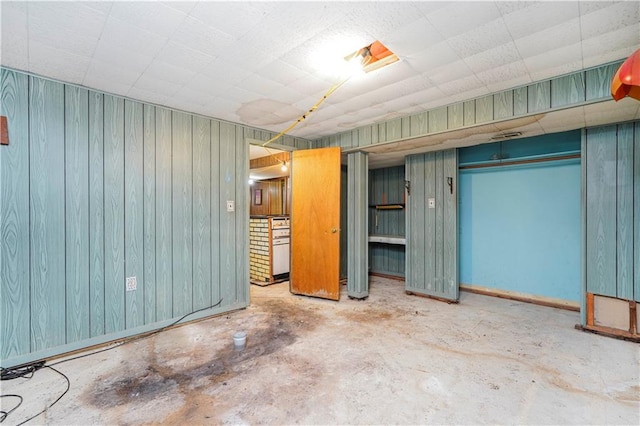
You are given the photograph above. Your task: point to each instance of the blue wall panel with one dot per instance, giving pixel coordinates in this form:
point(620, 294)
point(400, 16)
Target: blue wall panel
point(520, 228)
point(94, 189)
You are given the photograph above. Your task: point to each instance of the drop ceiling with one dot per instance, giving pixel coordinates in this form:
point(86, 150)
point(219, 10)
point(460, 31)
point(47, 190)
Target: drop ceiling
point(257, 63)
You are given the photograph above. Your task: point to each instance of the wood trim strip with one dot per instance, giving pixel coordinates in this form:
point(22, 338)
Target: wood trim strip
point(4, 131)
point(610, 332)
point(590, 309)
point(633, 325)
point(516, 162)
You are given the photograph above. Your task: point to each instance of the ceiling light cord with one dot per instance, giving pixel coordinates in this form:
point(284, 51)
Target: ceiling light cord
point(305, 115)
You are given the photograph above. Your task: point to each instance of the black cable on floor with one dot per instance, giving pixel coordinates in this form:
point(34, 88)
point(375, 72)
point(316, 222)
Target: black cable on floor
point(54, 402)
point(5, 414)
point(28, 371)
point(139, 337)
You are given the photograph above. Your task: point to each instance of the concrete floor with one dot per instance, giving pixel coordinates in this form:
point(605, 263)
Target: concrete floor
point(392, 359)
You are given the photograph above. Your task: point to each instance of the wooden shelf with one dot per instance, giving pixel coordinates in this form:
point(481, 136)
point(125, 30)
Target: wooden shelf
point(387, 239)
point(397, 206)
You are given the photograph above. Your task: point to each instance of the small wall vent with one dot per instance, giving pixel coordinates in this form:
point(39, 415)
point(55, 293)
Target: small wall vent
point(506, 135)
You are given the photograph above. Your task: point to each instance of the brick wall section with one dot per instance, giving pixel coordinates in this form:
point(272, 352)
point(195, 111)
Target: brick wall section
point(259, 266)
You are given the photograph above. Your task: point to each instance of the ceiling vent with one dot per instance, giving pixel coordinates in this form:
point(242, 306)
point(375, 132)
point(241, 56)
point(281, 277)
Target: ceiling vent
point(373, 57)
point(506, 135)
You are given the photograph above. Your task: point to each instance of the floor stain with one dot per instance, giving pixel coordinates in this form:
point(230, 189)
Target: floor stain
point(282, 324)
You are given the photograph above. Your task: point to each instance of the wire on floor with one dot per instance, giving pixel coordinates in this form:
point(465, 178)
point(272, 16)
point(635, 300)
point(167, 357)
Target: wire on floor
point(28, 371)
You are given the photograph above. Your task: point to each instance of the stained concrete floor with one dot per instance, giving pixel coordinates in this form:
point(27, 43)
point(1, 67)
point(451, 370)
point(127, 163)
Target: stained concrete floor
point(392, 359)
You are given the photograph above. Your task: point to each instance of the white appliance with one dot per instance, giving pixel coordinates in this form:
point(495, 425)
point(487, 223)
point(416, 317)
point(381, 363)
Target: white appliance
point(280, 245)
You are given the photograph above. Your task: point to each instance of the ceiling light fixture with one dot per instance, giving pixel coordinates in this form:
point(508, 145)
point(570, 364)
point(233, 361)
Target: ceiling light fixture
point(368, 58)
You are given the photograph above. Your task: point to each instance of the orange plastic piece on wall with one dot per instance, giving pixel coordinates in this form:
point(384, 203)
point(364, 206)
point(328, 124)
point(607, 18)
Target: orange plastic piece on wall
point(626, 81)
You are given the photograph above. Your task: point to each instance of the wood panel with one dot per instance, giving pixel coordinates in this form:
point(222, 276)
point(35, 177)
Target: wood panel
point(96, 214)
point(315, 221)
point(636, 210)
point(601, 216)
point(182, 216)
point(201, 213)
point(484, 109)
point(598, 81)
point(419, 124)
point(114, 213)
point(149, 209)
point(439, 222)
point(520, 106)
point(455, 116)
point(14, 217)
point(76, 155)
point(382, 131)
point(164, 244)
point(503, 105)
point(394, 129)
point(416, 224)
point(469, 112)
point(242, 216)
point(364, 136)
point(624, 208)
point(438, 120)
point(216, 211)
point(431, 250)
point(450, 225)
point(46, 188)
point(357, 228)
point(227, 219)
point(567, 90)
point(134, 212)
point(539, 96)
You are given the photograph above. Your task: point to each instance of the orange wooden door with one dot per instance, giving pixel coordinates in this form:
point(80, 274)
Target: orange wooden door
point(315, 223)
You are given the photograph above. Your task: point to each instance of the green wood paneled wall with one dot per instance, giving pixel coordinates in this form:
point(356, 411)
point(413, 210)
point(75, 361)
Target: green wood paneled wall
point(578, 88)
point(386, 186)
point(96, 188)
point(432, 232)
point(612, 210)
point(357, 228)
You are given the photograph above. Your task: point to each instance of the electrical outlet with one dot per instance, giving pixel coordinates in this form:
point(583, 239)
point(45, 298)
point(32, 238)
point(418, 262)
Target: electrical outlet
point(432, 203)
point(230, 206)
point(132, 283)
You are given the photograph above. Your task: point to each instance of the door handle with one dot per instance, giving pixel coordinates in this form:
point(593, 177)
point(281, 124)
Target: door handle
point(334, 230)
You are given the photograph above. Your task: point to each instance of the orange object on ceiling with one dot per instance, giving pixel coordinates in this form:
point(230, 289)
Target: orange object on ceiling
point(626, 81)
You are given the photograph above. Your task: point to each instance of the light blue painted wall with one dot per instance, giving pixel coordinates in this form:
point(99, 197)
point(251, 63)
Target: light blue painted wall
point(520, 228)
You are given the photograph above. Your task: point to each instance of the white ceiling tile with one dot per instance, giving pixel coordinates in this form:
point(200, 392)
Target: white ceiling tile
point(480, 39)
point(199, 36)
point(55, 63)
point(181, 5)
point(282, 72)
point(120, 34)
point(611, 18)
point(492, 58)
point(110, 72)
point(258, 84)
point(538, 16)
point(14, 37)
point(541, 42)
point(450, 72)
point(611, 46)
point(233, 18)
point(168, 72)
point(225, 72)
point(162, 87)
point(63, 38)
point(456, 18)
point(432, 57)
point(109, 86)
point(460, 85)
point(188, 58)
point(87, 21)
point(100, 6)
point(413, 38)
point(151, 96)
point(151, 16)
point(116, 56)
point(496, 78)
point(555, 62)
